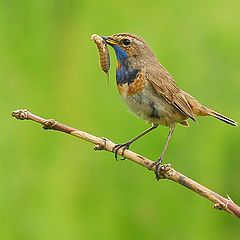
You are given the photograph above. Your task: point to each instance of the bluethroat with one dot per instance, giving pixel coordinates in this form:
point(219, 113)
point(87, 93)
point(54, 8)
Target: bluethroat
point(150, 91)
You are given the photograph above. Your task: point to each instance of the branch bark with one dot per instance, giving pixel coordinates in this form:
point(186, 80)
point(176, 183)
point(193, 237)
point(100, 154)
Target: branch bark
point(167, 171)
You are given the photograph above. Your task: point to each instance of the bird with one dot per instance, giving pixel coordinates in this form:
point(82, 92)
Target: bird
point(150, 91)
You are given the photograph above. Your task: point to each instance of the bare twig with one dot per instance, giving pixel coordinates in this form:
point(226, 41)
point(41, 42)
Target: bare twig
point(167, 171)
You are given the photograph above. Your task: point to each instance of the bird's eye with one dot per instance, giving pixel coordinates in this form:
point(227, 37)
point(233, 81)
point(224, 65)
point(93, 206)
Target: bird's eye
point(126, 42)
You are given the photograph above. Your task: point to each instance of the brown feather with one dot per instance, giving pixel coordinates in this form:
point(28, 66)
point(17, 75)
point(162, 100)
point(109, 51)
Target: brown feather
point(184, 123)
point(164, 84)
point(222, 118)
point(200, 110)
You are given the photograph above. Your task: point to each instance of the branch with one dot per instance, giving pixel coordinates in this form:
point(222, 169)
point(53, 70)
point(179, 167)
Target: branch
point(167, 171)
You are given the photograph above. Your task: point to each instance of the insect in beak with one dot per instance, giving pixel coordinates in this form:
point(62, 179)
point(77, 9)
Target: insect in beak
point(104, 58)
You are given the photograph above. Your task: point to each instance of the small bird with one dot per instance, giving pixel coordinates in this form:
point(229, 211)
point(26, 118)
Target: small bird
point(150, 91)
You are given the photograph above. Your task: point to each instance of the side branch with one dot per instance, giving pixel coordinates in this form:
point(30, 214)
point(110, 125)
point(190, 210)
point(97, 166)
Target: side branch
point(167, 171)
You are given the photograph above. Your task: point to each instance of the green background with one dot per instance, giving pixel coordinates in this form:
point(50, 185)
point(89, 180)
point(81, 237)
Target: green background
point(54, 186)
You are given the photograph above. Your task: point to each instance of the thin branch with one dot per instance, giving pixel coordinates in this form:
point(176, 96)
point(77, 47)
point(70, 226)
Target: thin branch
point(167, 171)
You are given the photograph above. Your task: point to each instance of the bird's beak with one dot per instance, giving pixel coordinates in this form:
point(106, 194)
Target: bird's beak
point(109, 40)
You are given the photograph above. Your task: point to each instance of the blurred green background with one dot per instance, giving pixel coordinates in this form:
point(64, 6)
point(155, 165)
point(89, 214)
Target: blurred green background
point(54, 186)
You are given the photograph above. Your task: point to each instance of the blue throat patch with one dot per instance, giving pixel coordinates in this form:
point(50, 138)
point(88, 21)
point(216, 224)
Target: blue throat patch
point(120, 53)
point(123, 74)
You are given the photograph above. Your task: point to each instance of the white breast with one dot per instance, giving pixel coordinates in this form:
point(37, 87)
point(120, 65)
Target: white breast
point(152, 107)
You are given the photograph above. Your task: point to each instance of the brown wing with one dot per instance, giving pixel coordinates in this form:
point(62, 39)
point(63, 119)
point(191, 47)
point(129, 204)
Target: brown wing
point(164, 84)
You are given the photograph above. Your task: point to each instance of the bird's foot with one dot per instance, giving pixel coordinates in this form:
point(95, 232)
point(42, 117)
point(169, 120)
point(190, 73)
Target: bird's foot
point(158, 165)
point(117, 147)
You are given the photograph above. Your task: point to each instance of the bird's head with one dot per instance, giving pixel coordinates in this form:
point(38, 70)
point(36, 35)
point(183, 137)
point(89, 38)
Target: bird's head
point(130, 47)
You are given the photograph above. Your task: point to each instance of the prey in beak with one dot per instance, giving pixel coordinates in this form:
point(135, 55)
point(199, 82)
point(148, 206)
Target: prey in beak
point(104, 58)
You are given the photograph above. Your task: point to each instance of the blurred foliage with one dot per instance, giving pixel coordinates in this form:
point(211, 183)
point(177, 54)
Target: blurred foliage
point(54, 186)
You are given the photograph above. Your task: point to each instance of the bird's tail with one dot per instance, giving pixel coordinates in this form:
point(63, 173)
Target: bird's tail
point(200, 110)
point(222, 117)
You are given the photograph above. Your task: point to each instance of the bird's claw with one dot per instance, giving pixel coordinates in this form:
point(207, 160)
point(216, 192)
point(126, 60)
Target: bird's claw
point(157, 170)
point(117, 147)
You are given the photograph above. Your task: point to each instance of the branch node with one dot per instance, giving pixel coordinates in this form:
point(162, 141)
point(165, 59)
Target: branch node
point(102, 145)
point(220, 206)
point(165, 170)
point(21, 114)
point(49, 124)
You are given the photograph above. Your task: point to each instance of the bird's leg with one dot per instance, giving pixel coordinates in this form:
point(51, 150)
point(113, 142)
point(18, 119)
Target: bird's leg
point(127, 144)
point(159, 161)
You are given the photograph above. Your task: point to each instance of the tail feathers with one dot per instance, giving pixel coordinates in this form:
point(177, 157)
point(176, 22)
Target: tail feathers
point(222, 118)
